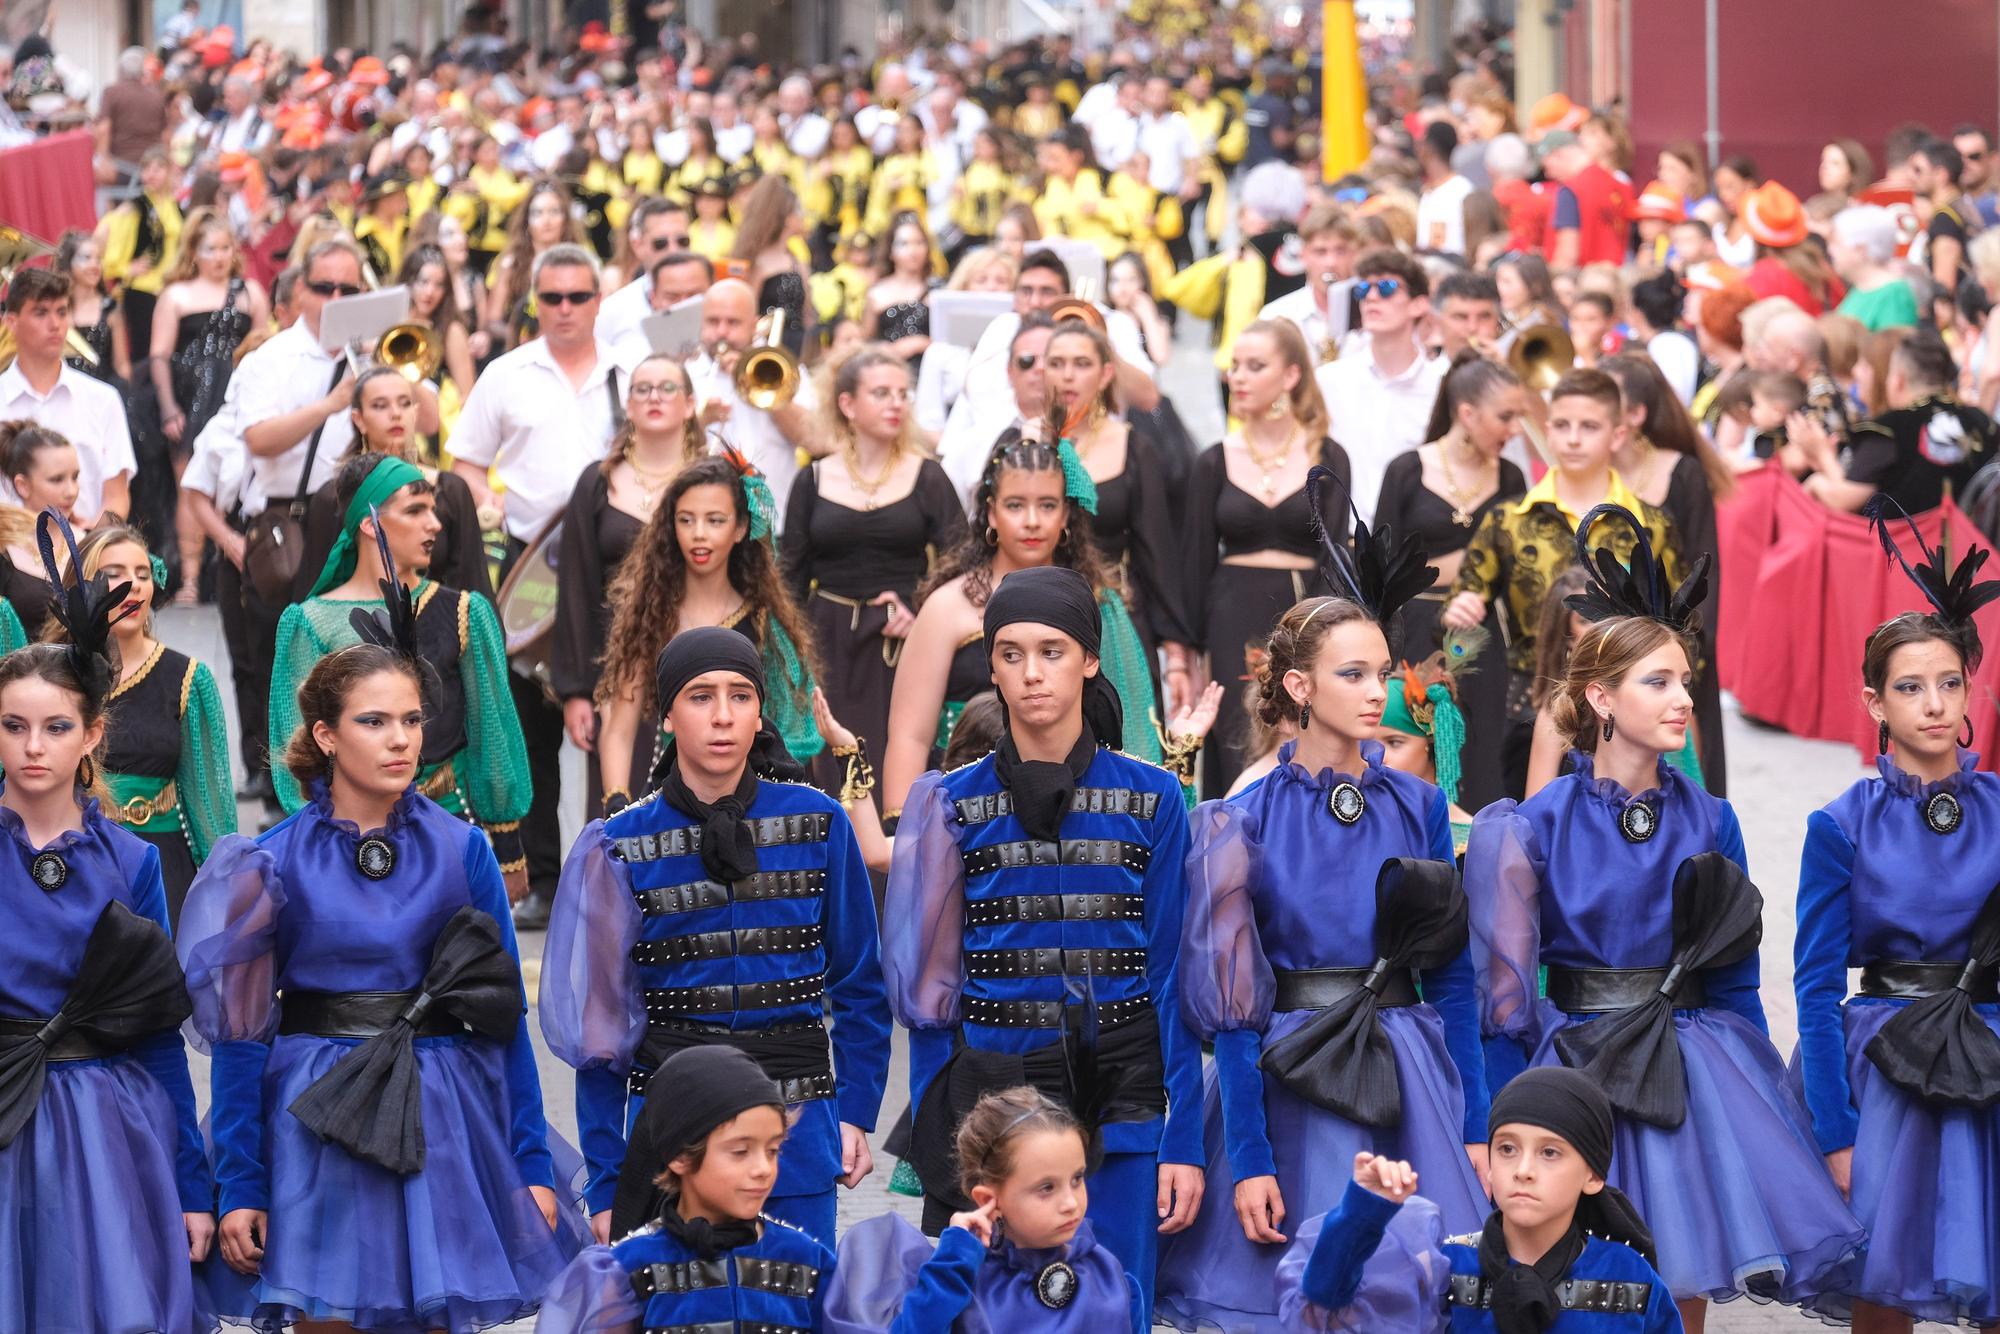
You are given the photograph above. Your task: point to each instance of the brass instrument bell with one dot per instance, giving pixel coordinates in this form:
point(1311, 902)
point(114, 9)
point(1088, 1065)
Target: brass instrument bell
point(767, 377)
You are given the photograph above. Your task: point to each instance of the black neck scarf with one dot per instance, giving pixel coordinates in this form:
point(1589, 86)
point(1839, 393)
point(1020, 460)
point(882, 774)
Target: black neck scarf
point(727, 852)
point(1524, 1296)
point(707, 1240)
point(1041, 789)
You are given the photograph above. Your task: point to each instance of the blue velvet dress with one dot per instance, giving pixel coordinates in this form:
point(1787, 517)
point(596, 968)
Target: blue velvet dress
point(93, 1189)
point(651, 1280)
point(1117, 883)
point(459, 1245)
point(891, 1281)
point(634, 889)
point(1877, 885)
point(1738, 1196)
point(1372, 1266)
point(1276, 882)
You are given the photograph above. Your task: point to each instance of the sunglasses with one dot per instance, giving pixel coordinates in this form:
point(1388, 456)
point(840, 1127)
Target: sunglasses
point(1026, 363)
point(1383, 287)
point(333, 289)
point(565, 298)
point(662, 244)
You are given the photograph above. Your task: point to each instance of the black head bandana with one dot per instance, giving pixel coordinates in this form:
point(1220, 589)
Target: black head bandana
point(1062, 600)
point(1571, 1105)
point(727, 853)
point(694, 1091)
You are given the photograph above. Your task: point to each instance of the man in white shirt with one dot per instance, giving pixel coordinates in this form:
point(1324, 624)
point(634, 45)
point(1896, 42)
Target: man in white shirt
point(659, 227)
point(243, 128)
point(1324, 308)
point(1380, 393)
point(537, 418)
point(1441, 209)
point(733, 134)
point(1114, 131)
point(805, 129)
point(770, 440)
point(680, 276)
point(40, 387)
point(877, 120)
point(1173, 157)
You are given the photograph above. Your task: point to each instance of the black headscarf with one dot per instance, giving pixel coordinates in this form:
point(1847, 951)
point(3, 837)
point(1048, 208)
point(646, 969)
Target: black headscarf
point(727, 853)
point(1063, 600)
point(694, 1091)
point(1569, 1104)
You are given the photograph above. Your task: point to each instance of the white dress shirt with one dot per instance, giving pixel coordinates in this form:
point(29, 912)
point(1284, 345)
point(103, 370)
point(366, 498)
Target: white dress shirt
point(751, 431)
point(1441, 215)
point(537, 431)
point(1114, 137)
point(1299, 307)
point(808, 135)
point(1168, 143)
point(90, 414)
point(1375, 417)
point(620, 315)
point(877, 124)
point(732, 143)
point(246, 133)
point(284, 375)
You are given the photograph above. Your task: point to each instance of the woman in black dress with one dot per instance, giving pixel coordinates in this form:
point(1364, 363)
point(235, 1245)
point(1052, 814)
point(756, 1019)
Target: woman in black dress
point(41, 466)
point(1251, 551)
point(93, 311)
point(1669, 463)
point(768, 221)
point(862, 530)
point(607, 511)
point(384, 413)
point(1440, 491)
point(896, 312)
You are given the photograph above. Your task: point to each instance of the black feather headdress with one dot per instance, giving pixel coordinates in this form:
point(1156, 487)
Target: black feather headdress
point(1378, 572)
point(1954, 594)
point(86, 608)
point(1638, 589)
point(395, 626)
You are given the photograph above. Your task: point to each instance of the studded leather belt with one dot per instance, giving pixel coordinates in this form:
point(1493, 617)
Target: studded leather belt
point(1055, 963)
point(1577, 1294)
point(724, 997)
point(729, 944)
point(1606, 990)
point(1055, 908)
point(1319, 988)
point(698, 894)
point(1046, 1014)
point(1024, 853)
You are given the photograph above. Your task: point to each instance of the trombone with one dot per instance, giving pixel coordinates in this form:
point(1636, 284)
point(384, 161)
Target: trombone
point(17, 248)
point(767, 377)
point(414, 351)
point(1539, 353)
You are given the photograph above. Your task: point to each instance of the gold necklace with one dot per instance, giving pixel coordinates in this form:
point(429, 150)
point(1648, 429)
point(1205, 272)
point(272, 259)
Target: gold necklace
point(651, 484)
point(1460, 497)
point(1266, 464)
point(850, 459)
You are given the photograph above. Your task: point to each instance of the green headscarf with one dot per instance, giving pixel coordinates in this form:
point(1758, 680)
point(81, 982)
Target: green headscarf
point(385, 479)
point(1443, 726)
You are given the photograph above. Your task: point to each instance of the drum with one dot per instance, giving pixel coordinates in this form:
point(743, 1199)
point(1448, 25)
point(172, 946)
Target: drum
point(527, 605)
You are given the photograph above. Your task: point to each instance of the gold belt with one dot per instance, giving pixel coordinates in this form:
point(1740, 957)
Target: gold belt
point(143, 810)
point(892, 649)
point(443, 781)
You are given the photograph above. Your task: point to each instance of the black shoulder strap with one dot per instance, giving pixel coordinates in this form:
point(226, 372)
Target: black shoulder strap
point(312, 450)
point(617, 404)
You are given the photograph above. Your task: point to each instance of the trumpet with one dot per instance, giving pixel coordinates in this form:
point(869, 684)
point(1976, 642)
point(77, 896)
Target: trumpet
point(767, 377)
point(413, 351)
point(1538, 353)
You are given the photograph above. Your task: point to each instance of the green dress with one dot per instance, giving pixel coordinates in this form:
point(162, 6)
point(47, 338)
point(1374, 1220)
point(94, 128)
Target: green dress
point(12, 636)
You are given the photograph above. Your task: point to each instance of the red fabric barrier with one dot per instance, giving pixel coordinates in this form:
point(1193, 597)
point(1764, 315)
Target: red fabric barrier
point(1802, 587)
point(46, 187)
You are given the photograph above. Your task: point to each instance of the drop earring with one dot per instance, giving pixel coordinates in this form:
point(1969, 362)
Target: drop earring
point(1965, 742)
point(1305, 716)
point(1607, 727)
point(1279, 407)
point(1882, 739)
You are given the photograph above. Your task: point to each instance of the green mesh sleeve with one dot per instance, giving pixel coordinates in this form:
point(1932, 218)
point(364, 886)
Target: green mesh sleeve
point(1123, 660)
point(495, 773)
point(12, 636)
point(792, 687)
point(299, 648)
point(207, 794)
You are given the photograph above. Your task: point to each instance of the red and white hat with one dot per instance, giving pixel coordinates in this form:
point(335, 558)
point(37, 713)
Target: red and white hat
point(1657, 203)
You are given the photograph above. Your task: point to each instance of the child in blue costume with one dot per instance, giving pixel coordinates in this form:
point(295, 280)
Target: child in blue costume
point(106, 1187)
point(1319, 898)
point(1899, 879)
point(377, 1122)
point(1624, 879)
point(727, 908)
point(1023, 1259)
point(1562, 1253)
point(1033, 921)
point(708, 1257)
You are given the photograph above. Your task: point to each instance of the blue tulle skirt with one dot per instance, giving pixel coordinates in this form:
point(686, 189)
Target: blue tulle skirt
point(1738, 1196)
point(1926, 1184)
point(91, 1236)
point(1213, 1276)
point(459, 1246)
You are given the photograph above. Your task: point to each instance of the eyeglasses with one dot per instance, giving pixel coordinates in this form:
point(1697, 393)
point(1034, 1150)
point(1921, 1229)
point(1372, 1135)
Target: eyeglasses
point(1026, 363)
point(333, 289)
point(565, 298)
point(1383, 287)
point(665, 389)
point(662, 244)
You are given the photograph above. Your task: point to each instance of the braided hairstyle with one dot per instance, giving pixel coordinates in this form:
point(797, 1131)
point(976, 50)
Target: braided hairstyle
point(973, 556)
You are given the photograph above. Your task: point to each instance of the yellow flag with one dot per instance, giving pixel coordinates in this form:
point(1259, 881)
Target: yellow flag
point(1343, 93)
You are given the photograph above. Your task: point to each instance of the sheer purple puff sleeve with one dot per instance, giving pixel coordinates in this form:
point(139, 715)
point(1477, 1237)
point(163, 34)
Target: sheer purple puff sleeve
point(1503, 881)
point(592, 1296)
point(591, 1011)
point(880, 1260)
point(1226, 982)
point(923, 912)
point(1402, 1284)
point(228, 933)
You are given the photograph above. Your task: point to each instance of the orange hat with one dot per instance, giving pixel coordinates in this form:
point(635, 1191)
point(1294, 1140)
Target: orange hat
point(1713, 276)
point(314, 82)
point(1556, 112)
point(246, 68)
point(233, 166)
point(218, 48)
point(370, 71)
point(1657, 203)
point(1772, 215)
point(303, 134)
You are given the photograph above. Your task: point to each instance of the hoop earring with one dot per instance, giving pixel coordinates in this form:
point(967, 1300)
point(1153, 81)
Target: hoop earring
point(86, 772)
point(992, 536)
point(1607, 727)
point(1965, 743)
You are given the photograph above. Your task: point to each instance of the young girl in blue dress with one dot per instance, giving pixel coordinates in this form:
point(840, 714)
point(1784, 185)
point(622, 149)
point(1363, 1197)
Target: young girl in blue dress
point(1024, 1258)
point(1318, 899)
point(376, 1118)
point(710, 1259)
point(1898, 879)
point(1610, 877)
point(107, 1191)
